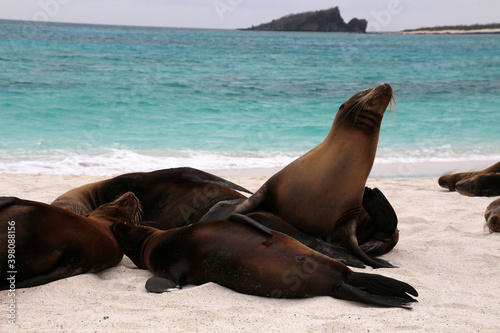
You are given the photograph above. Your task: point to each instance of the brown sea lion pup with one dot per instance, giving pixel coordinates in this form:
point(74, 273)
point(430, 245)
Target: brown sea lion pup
point(321, 193)
point(449, 181)
point(484, 185)
point(492, 216)
point(169, 197)
point(250, 260)
point(50, 243)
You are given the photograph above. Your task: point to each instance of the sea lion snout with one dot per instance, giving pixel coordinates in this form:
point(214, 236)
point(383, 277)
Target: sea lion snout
point(379, 98)
point(492, 216)
point(126, 208)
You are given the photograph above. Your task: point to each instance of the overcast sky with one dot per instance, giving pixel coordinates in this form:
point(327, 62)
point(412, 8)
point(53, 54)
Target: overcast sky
point(382, 15)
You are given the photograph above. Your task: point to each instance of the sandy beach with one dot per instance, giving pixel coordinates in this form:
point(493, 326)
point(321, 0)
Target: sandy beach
point(451, 31)
point(444, 251)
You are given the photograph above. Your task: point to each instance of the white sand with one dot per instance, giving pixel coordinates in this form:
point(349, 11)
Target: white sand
point(441, 32)
point(444, 252)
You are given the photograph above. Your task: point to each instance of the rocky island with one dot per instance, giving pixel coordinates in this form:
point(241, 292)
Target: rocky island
point(328, 20)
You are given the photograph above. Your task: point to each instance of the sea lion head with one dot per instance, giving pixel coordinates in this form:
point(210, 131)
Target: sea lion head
point(366, 108)
point(492, 216)
point(126, 208)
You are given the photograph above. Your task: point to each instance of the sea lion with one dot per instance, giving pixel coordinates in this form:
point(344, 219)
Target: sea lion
point(251, 261)
point(176, 197)
point(51, 243)
point(321, 192)
point(484, 185)
point(449, 181)
point(492, 216)
point(170, 197)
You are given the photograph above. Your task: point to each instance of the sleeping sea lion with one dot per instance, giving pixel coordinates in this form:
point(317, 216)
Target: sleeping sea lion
point(52, 243)
point(180, 196)
point(251, 261)
point(169, 197)
point(450, 181)
point(483, 185)
point(321, 193)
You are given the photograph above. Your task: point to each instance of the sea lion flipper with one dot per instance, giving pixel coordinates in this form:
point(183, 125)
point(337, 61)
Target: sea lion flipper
point(159, 284)
point(338, 253)
point(380, 210)
point(221, 210)
point(353, 246)
point(378, 290)
point(235, 217)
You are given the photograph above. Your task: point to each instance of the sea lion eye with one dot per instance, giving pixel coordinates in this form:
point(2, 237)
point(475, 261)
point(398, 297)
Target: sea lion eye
point(341, 107)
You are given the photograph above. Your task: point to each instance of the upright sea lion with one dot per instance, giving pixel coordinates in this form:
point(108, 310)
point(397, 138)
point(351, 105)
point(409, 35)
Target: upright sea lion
point(450, 181)
point(250, 261)
point(170, 197)
point(321, 192)
point(52, 243)
point(492, 216)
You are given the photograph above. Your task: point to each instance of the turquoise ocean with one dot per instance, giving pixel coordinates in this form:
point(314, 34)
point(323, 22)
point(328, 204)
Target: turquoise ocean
point(83, 99)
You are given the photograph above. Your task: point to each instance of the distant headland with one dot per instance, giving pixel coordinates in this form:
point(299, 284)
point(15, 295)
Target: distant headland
point(328, 20)
point(457, 29)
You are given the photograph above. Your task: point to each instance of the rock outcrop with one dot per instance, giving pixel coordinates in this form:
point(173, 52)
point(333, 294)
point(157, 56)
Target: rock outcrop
point(328, 20)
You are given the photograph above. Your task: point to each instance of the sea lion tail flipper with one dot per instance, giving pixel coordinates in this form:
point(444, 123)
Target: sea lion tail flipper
point(377, 290)
point(243, 219)
point(159, 284)
point(380, 210)
point(7, 201)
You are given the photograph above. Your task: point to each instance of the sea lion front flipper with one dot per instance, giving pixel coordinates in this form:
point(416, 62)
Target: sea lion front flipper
point(221, 210)
point(243, 219)
point(159, 284)
point(353, 246)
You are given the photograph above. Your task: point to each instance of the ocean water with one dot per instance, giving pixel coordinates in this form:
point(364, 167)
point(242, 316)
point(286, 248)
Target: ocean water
point(106, 100)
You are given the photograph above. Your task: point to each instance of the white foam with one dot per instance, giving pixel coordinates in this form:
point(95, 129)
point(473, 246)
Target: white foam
point(114, 161)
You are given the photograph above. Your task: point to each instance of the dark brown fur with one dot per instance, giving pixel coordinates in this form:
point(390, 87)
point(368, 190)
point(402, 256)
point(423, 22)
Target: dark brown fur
point(492, 216)
point(321, 193)
point(450, 181)
point(250, 261)
point(52, 243)
point(170, 198)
